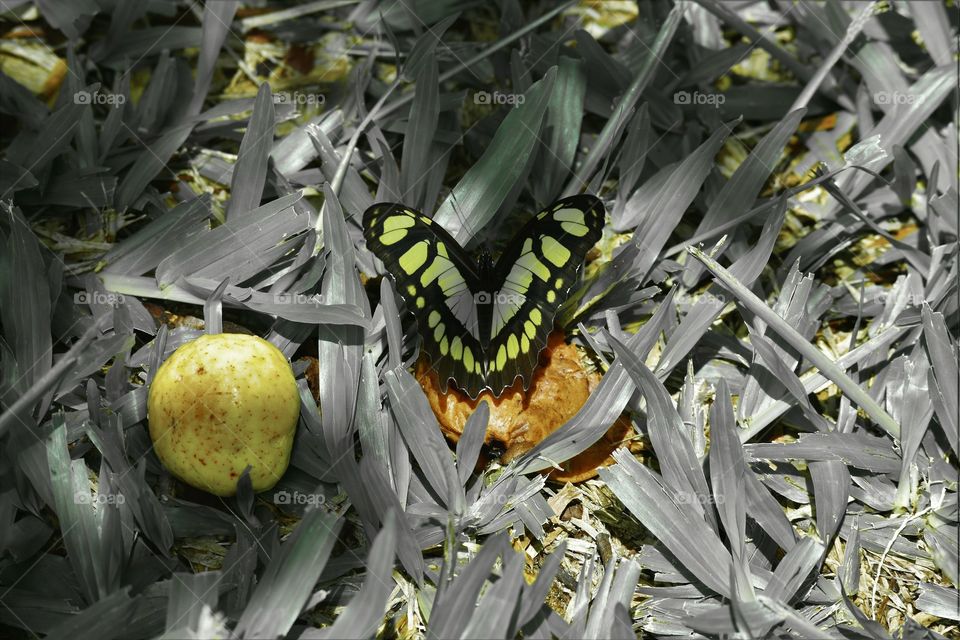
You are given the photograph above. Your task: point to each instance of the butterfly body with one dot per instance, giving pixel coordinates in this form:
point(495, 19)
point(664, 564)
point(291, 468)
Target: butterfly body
point(482, 323)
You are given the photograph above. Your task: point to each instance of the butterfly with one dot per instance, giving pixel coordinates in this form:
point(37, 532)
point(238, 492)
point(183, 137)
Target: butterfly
point(483, 324)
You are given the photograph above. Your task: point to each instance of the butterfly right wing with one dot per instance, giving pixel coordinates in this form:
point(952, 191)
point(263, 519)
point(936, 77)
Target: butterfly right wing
point(438, 283)
point(534, 276)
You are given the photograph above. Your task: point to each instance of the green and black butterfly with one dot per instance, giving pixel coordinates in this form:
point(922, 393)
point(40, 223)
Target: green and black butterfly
point(484, 324)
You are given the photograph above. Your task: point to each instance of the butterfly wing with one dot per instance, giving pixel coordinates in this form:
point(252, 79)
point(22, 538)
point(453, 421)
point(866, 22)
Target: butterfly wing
point(438, 283)
point(536, 273)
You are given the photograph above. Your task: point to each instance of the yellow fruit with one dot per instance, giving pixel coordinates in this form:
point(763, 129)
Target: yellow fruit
point(220, 403)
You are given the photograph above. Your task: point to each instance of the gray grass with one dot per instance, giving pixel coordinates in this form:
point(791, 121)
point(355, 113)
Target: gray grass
point(775, 307)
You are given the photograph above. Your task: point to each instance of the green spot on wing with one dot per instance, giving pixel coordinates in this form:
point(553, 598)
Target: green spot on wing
point(554, 251)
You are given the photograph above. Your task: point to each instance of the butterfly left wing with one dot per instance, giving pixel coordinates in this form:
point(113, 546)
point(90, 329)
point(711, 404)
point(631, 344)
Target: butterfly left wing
point(438, 282)
point(537, 271)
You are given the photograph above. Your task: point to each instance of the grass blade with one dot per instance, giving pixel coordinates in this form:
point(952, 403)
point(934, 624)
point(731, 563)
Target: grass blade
point(790, 335)
point(250, 171)
point(473, 203)
point(418, 139)
point(612, 131)
point(289, 579)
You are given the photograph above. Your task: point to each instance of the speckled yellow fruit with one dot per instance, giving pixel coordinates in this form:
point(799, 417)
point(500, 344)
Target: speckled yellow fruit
point(222, 402)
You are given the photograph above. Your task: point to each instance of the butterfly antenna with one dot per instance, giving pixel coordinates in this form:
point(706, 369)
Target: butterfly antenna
point(456, 209)
point(474, 267)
